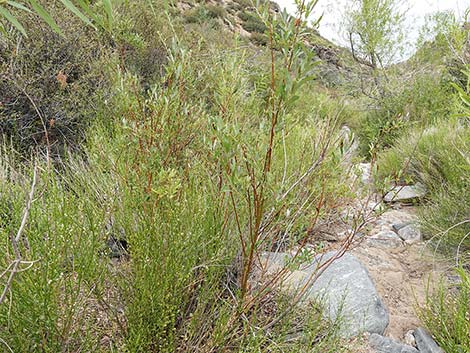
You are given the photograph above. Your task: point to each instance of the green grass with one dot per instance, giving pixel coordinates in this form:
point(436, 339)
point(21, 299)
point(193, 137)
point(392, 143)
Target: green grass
point(437, 158)
point(446, 314)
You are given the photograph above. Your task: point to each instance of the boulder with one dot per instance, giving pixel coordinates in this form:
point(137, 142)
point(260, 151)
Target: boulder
point(383, 344)
point(349, 295)
point(345, 288)
point(425, 342)
point(406, 194)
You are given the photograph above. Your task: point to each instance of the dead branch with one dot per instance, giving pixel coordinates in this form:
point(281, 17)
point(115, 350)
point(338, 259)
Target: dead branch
point(14, 267)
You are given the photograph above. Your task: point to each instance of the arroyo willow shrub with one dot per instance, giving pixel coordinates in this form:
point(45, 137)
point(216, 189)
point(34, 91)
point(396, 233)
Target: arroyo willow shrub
point(193, 173)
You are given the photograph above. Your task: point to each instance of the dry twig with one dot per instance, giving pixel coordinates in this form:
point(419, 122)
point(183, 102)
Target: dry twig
point(14, 267)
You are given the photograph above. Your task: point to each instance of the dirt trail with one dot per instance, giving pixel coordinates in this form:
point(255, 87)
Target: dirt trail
point(401, 270)
point(401, 275)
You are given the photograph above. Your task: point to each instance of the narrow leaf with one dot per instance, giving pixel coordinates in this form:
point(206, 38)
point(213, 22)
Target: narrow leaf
point(86, 8)
point(44, 15)
point(72, 8)
point(108, 7)
point(2, 29)
point(18, 6)
point(7, 14)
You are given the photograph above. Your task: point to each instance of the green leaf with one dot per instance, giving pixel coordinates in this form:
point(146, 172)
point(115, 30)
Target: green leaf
point(18, 6)
point(108, 7)
point(12, 19)
point(72, 8)
point(86, 8)
point(45, 16)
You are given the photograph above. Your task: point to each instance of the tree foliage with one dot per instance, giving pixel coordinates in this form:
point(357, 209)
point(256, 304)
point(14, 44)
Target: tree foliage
point(376, 31)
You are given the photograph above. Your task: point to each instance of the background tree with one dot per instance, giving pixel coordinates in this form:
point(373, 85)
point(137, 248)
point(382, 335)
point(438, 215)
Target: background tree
point(375, 30)
point(446, 38)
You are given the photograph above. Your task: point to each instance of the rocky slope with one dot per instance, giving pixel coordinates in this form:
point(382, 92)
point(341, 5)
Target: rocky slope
point(336, 64)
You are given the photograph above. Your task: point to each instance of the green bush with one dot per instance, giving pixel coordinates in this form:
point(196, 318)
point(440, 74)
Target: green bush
point(244, 3)
point(49, 84)
point(437, 157)
point(201, 14)
point(172, 167)
point(252, 23)
point(216, 11)
point(445, 314)
point(259, 39)
point(424, 101)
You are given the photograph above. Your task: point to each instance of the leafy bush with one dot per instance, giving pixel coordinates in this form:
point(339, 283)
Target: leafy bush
point(424, 101)
point(184, 174)
point(252, 23)
point(49, 84)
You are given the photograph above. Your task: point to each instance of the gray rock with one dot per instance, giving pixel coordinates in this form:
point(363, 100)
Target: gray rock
point(406, 194)
point(410, 234)
point(117, 248)
point(425, 342)
point(365, 172)
point(385, 239)
point(396, 227)
point(349, 295)
point(387, 345)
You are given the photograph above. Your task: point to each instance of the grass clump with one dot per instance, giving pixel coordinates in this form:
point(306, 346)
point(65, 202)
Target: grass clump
point(437, 158)
point(446, 314)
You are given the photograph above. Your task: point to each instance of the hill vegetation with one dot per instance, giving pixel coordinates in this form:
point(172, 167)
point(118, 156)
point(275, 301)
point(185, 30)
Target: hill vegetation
point(152, 151)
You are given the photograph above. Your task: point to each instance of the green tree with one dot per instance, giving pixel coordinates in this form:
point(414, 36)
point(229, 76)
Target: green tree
point(375, 31)
point(446, 36)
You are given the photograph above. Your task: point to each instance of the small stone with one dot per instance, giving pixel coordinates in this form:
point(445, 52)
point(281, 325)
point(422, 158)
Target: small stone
point(410, 338)
point(406, 194)
point(365, 172)
point(385, 239)
point(410, 234)
point(117, 248)
point(386, 345)
point(425, 342)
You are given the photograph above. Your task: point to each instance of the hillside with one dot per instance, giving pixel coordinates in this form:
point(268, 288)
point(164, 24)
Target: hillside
point(240, 18)
point(214, 176)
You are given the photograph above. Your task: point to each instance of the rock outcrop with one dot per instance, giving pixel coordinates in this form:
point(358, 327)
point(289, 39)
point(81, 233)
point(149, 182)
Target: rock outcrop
point(345, 289)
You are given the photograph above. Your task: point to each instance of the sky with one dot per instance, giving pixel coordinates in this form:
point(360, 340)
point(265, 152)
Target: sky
point(418, 9)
